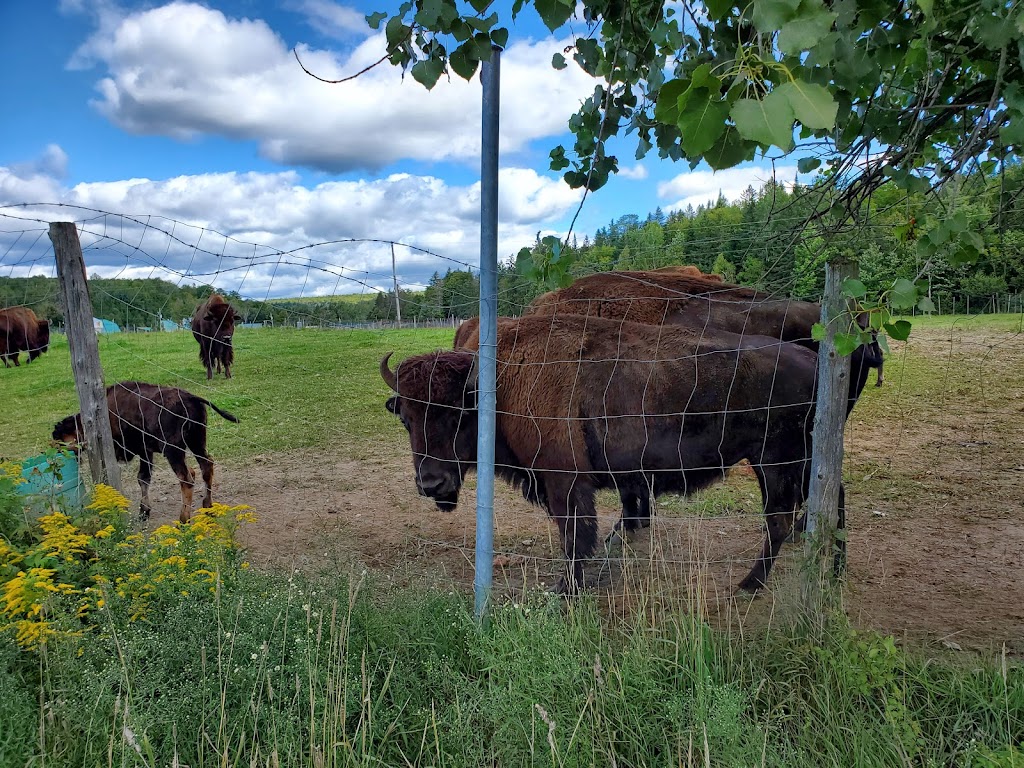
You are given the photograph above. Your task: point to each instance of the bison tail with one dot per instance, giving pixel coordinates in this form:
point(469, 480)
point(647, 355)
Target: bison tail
point(229, 416)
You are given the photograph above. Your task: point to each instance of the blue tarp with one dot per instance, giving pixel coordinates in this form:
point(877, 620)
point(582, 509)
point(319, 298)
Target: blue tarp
point(169, 325)
point(51, 481)
point(105, 326)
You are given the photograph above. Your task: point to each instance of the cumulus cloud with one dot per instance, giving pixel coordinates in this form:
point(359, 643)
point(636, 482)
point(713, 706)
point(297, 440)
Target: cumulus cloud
point(269, 234)
point(636, 172)
point(333, 19)
point(184, 70)
point(703, 187)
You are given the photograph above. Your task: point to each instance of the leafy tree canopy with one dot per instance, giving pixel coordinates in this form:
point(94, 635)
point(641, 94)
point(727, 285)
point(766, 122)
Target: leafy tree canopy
point(879, 90)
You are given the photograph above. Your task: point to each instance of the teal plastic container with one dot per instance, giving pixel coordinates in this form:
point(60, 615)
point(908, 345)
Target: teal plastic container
point(52, 481)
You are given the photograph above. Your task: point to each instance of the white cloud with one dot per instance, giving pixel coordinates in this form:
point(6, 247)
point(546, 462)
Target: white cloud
point(703, 187)
point(267, 233)
point(636, 173)
point(184, 70)
point(333, 19)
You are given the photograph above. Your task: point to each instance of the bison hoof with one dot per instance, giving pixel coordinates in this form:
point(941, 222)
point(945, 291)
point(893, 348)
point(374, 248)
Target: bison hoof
point(144, 513)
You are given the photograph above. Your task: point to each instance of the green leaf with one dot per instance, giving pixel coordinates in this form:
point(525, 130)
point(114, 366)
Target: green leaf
point(482, 25)
point(479, 5)
point(374, 19)
point(554, 13)
point(718, 8)
point(769, 121)
point(926, 6)
point(558, 61)
point(811, 103)
point(500, 37)
point(667, 109)
point(855, 288)
point(463, 61)
point(926, 304)
point(883, 342)
point(807, 164)
point(818, 332)
point(427, 72)
point(805, 31)
point(846, 343)
point(701, 123)
point(900, 330)
point(727, 151)
point(770, 15)
point(903, 294)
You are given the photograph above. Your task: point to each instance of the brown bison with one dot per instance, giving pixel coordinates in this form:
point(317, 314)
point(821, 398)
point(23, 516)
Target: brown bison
point(676, 296)
point(147, 419)
point(213, 325)
point(22, 331)
point(687, 269)
point(587, 403)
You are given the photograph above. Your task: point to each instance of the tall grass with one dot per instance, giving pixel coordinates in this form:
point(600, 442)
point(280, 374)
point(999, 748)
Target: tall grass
point(340, 671)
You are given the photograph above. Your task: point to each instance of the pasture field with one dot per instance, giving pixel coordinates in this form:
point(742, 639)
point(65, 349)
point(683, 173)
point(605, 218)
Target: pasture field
point(349, 640)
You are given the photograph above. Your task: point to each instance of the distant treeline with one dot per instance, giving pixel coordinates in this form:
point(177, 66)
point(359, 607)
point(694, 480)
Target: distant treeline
point(760, 241)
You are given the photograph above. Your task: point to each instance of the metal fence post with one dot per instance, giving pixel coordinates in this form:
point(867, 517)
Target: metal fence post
point(85, 354)
point(490, 78)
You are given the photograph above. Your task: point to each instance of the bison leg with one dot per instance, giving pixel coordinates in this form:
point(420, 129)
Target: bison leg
point(14, 357)
point(636, 513)
point(206, 467)
point(145, 477)
point(176, 458)
point(571, 504)
point(839, 558)
point(780, 492)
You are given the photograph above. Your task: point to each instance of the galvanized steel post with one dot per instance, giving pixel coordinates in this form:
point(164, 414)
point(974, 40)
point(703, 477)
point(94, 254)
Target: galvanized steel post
point(490, 78)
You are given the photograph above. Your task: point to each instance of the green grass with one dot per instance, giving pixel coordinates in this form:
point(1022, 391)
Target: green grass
point(324, 671)
point(290, 388)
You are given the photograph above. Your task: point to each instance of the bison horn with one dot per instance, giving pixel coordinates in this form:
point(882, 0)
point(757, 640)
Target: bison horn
point(387, 374)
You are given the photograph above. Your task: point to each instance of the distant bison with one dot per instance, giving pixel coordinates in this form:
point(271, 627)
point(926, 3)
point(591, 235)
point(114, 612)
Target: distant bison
point(213, 325)
point(585, 404)
point(22, 331)
point(687, 269)
point(147, 419)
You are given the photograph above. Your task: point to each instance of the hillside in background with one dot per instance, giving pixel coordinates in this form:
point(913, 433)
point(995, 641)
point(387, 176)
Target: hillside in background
point(760, 241)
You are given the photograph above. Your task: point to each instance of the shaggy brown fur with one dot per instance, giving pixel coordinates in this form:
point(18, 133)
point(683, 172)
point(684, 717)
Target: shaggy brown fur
point(213, 325)
point(590, 403)
point(147, 419)
point(22, 331)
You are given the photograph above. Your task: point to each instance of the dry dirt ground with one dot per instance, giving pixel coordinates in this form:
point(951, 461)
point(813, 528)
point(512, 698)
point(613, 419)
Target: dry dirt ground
point(935, 514)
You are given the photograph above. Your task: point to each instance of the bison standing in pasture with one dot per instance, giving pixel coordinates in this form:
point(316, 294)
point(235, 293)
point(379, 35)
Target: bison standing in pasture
point(588, 403)
point(22, 331)
point(681, 296)
point(147, 419)
point(213, 325)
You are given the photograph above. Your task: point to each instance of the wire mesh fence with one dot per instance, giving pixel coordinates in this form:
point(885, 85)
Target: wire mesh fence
point(934, 482)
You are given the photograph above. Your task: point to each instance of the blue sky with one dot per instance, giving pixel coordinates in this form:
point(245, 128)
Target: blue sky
point(195, 120)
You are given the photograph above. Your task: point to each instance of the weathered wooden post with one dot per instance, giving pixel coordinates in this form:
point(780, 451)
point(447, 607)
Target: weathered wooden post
point(827, 437)
point(85, 354)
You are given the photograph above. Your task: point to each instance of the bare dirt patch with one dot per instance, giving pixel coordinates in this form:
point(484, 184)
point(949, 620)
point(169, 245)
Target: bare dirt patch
point(935, 477)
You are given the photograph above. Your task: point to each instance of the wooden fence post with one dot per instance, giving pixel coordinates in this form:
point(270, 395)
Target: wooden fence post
point(827, 437)
point(85, 354)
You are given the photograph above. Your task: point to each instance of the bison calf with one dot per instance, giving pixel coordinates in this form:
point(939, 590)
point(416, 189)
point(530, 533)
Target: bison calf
point(21, 331)
point(147, 419)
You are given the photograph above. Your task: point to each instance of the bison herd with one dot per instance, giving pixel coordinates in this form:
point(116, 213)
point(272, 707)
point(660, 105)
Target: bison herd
point(641, 382)
point(145, 419)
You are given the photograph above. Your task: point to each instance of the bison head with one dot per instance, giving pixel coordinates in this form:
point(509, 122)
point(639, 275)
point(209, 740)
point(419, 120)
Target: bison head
point(68, 431)
point(42, 339)
point(221, 318)
point(435, 399)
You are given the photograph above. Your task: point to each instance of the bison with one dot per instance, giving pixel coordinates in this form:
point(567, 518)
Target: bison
point(589, 403)
point(213, 325)
point(22, 331)
point(147, 419)
point(681, 296)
